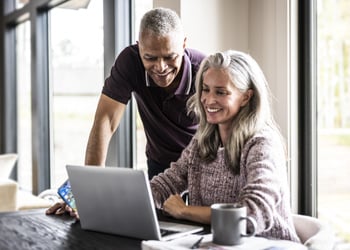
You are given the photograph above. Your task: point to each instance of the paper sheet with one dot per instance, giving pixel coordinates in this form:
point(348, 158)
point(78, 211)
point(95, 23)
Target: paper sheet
point(257, 243)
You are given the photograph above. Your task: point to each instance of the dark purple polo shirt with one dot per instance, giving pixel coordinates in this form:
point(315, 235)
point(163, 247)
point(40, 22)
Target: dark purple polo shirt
point(167, 126)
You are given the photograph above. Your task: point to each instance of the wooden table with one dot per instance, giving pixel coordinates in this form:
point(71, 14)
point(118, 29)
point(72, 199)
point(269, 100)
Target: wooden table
point(35, 230)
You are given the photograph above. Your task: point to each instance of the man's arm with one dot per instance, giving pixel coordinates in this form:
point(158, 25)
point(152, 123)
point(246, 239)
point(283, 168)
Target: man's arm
point(107, 118)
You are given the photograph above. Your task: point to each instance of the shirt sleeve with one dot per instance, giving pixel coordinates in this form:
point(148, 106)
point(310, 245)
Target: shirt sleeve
point(125, 73)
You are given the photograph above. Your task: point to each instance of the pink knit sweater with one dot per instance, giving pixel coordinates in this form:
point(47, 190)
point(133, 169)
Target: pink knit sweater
point(261, 185)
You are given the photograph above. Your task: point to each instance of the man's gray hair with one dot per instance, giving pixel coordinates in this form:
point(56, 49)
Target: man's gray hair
point(161, 21)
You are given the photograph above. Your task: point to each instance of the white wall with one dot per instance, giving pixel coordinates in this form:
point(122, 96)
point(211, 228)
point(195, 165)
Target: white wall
point(213, 25)
point(268, 43)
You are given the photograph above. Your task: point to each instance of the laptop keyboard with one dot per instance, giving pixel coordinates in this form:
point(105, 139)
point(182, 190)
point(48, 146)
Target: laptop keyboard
point(165, 232)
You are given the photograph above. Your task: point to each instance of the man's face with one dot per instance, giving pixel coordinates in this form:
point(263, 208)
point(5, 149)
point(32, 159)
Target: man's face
point(162, 56)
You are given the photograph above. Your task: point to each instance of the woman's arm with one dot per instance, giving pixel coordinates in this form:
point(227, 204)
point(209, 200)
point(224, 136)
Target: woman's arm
point(176, 207)
point(264, 164)
point(174, 180)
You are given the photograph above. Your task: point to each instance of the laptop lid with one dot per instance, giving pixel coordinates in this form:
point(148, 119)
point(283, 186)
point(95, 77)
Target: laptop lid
point(117, 201)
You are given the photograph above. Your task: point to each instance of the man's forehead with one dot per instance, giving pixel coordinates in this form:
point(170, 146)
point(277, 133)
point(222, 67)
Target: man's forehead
point(146, 34)
point(158, 54)
point(160, 50)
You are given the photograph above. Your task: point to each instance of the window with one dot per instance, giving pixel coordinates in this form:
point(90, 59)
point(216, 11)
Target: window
point(24, 112)
point(76, 79)
point(333, 50)
point(52, 79)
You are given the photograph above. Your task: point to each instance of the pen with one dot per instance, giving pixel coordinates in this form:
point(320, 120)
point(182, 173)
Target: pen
point(196, 244)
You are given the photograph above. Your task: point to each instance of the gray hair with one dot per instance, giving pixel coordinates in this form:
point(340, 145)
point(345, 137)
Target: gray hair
point(245, 74)
point(161, 21)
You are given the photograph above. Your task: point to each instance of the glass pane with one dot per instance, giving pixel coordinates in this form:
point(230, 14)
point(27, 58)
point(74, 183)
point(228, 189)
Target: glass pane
point(24, 112)
point(334, 116)
point(141, 6)
point(76, 76)
point(21, 3)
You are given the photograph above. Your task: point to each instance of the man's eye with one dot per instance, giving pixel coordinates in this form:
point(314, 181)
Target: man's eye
point(150, 58)
point(169, 58)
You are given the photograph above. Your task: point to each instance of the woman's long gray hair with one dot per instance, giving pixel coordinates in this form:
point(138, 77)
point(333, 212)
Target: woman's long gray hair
point(245, 74)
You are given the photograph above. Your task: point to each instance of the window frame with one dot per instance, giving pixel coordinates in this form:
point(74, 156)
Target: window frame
point(122, 148)
point(307, 111)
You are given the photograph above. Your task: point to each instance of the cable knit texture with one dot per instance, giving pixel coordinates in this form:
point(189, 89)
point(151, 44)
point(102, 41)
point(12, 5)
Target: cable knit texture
point(261, 185)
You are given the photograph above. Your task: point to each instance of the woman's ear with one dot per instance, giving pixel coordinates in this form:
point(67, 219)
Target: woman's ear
point(246, 97)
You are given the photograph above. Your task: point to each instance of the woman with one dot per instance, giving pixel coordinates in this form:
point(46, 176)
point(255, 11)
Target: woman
point(237, 154)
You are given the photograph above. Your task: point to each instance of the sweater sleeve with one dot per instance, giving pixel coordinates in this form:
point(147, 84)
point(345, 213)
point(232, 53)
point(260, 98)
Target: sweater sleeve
point(174, 179)
point(263, 161)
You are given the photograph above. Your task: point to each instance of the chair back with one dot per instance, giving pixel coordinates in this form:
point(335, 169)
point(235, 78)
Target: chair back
point(313, 233)
point(7, 162)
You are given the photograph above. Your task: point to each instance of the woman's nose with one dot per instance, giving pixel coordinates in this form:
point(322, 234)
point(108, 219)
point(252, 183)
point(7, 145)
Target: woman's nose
point(208, 98)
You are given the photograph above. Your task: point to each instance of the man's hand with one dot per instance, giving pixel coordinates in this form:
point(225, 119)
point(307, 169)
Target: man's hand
point(60, 208)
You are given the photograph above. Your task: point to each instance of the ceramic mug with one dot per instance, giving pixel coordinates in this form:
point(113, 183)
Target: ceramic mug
point(229, 222)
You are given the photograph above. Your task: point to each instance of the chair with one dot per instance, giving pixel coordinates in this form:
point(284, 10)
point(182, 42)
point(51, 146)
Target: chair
point(8, 187)
point(313, 233)
point(11, 197)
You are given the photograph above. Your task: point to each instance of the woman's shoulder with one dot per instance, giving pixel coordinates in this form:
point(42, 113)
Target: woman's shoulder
point(193, 144)
point(267, 136)
point(191, 150)
point(265, 144)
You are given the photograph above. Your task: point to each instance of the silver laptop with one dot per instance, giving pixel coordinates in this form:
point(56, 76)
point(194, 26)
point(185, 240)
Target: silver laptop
point(119, 201)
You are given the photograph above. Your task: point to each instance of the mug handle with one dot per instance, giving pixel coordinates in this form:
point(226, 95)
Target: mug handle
point(251, 220)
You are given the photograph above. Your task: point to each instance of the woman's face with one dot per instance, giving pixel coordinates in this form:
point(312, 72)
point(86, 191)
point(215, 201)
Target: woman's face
point(221, 100)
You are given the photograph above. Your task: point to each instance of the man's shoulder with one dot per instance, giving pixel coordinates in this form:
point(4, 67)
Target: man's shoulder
point(130, 51)
point(129, 58)
point(194, 55)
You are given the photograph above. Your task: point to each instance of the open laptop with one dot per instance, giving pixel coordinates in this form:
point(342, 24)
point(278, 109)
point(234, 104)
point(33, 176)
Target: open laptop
point(119, 201)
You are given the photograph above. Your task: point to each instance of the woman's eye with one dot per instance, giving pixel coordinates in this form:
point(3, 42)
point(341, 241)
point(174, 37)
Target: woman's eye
point(220, 92)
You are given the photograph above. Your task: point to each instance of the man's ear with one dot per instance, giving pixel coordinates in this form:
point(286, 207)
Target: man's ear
point(246, 97)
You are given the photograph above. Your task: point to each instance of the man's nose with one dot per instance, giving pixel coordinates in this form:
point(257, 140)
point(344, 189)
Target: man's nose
point(161, 65)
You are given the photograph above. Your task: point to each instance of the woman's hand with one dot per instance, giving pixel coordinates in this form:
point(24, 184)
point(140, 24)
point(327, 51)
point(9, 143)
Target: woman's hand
point(60, 208)
point(175, 206)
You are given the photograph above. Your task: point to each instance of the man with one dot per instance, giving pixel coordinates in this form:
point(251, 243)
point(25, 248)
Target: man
point(160, 72)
